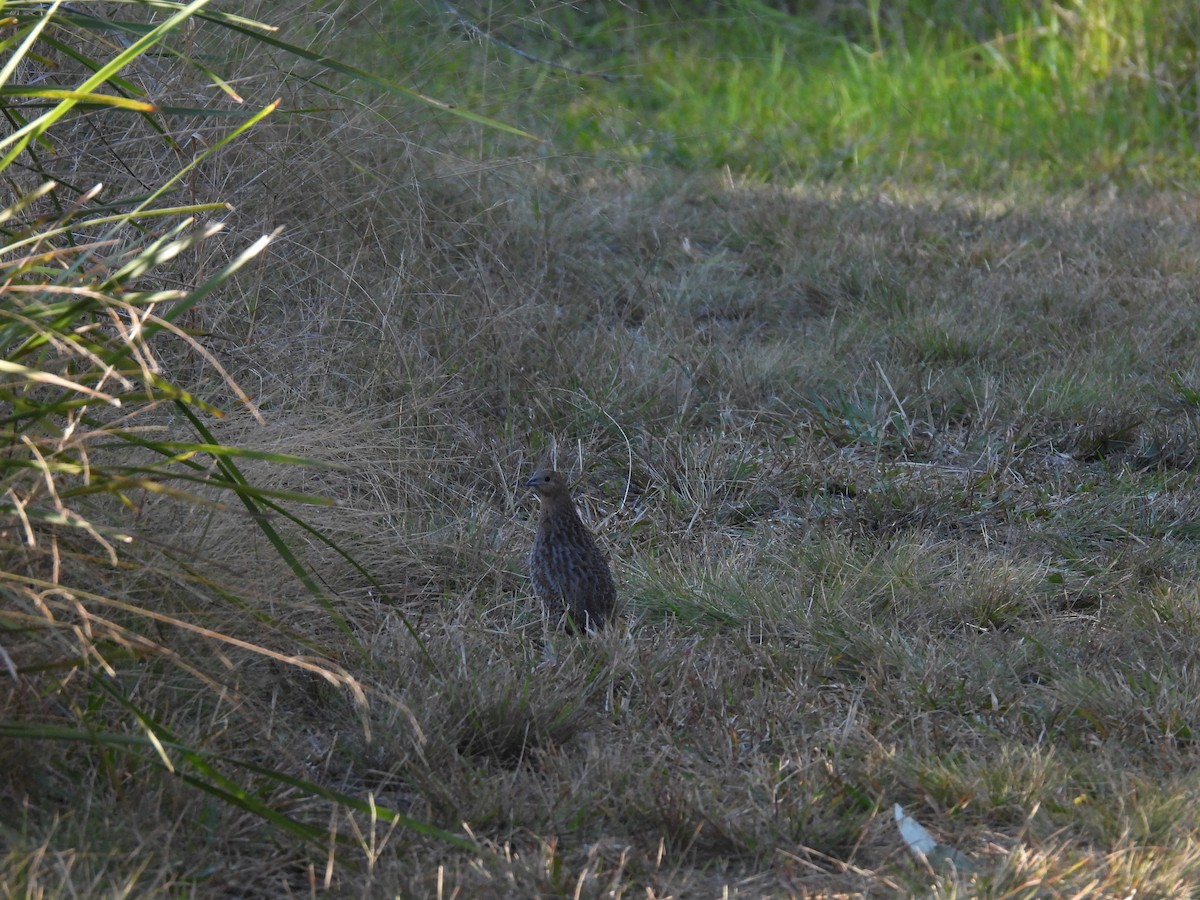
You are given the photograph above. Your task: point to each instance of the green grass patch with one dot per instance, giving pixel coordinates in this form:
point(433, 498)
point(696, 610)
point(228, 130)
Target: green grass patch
point(1055, 96)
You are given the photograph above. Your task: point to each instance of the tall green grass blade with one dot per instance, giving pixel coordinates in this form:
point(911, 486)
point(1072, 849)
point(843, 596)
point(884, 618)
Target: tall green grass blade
point(358, 567)
point(216, 146)
point(54, 95)
point(387, 85)
point(237, 482)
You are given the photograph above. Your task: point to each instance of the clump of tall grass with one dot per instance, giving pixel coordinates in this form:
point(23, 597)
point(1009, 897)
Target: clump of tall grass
point(109, 626)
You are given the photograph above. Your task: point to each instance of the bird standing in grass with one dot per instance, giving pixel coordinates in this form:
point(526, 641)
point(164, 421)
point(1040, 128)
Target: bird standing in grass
point(570, 575)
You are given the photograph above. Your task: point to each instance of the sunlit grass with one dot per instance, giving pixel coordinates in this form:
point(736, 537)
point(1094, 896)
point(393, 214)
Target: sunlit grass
point(1051, 96)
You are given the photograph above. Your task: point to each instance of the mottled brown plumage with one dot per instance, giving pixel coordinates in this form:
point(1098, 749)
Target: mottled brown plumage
point(570, 575)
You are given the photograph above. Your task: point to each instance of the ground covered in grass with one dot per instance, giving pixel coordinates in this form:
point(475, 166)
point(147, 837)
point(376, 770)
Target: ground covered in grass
point(899, 486)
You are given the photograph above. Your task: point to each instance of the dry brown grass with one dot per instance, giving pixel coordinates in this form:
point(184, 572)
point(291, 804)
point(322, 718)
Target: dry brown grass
point(899, 490)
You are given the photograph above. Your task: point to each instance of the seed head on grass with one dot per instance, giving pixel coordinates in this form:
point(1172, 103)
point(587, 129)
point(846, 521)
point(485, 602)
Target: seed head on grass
point(570, 575)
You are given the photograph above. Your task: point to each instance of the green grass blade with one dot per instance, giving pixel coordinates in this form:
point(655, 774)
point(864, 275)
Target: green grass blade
point(234, 476)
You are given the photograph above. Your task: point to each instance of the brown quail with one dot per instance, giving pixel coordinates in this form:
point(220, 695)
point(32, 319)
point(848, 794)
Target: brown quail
point(570, 575)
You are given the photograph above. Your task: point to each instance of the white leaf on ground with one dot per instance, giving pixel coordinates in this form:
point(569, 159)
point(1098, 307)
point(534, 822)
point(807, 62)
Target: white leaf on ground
point(925, 847)
point(919, 841)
